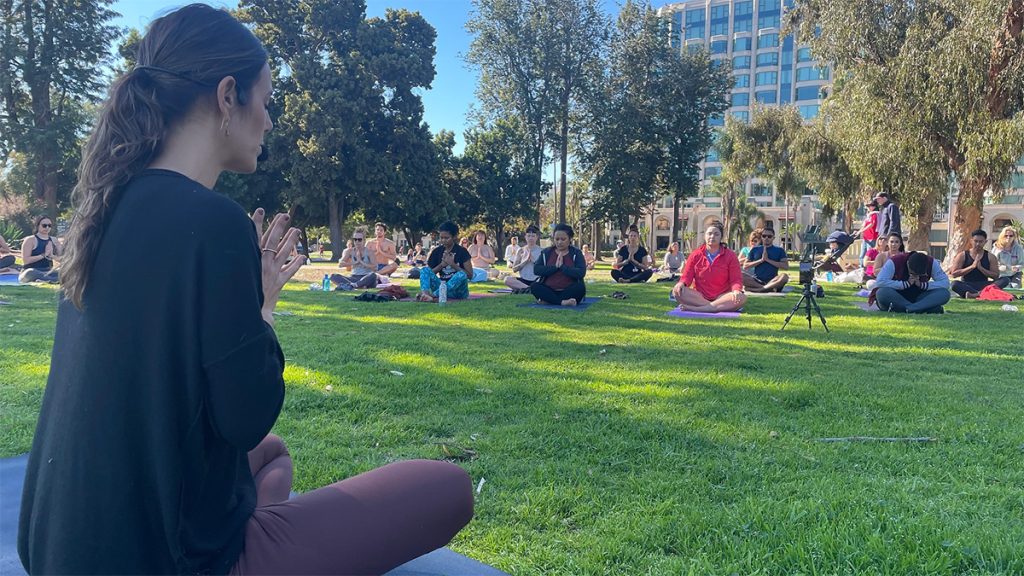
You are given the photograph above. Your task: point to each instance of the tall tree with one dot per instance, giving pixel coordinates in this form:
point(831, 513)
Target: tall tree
point(505, 184)
point(536, 58)
point(347, 80)
point(953, 68)
point(51, 56)
point(819, 158)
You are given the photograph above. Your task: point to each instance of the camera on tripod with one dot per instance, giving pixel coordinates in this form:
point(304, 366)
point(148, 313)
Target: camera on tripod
point(807, 271)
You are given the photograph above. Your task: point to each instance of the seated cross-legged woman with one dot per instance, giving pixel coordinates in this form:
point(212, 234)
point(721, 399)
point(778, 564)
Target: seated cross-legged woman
point(1010, 254)
point(711, 279)
point(976, 268)
point(152, 453)
point(483, 258)
point(560, 269)
point(766, 260)
point(358, 261)
point(912, 282)
point(38, 252)
point(632, 262)
point(523, 262)
point(448, 263)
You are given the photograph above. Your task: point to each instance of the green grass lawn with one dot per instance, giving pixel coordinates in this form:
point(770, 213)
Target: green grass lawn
point(620, 441)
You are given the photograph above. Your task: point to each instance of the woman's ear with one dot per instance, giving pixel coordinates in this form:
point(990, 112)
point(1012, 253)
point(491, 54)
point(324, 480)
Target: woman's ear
point(227, 96)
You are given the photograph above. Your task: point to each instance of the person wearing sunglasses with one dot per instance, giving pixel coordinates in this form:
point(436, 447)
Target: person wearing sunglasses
point(38, 252)
point(359, 261)
point(766, 260)
point(1010, 253)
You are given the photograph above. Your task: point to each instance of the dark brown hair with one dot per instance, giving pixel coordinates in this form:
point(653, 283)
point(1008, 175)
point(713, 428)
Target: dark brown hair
point(182, 58)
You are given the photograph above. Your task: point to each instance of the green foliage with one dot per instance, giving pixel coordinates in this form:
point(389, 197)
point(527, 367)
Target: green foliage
point(649, 120)
point(932, 82)
point(504, 184)
point(51, 57)
point(820, 160)
point(350, 133)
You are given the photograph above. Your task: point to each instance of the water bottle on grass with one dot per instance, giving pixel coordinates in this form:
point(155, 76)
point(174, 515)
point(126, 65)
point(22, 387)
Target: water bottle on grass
point(326, 283)
point(442, 293)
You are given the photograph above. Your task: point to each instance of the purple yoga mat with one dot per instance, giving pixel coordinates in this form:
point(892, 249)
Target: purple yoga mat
point(686, 314)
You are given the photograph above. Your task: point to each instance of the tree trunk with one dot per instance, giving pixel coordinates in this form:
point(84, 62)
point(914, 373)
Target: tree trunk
point(675, 219)
point(564, 154)
point(920, 234)
point(595, 237)
point(968, 215)
point(499, 237)
point(335, 208)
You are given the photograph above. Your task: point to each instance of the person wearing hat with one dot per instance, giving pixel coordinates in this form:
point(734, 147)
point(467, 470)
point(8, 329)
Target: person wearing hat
point(911, 282)
point(888, 216)
point(838, 242)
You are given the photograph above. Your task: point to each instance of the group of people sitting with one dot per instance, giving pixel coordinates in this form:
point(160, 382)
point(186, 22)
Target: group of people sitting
point(554, 275)
point(38, 253)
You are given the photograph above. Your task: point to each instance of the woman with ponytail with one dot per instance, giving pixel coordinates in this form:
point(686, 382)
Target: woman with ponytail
point(153, 452)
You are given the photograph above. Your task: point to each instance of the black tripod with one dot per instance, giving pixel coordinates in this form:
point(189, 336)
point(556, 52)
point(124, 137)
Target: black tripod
point(807, 300)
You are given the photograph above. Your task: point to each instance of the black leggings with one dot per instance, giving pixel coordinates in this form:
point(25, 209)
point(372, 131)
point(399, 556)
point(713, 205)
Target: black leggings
point(962, 288)
point(578, 290)
point(6, 261)
point(642, 276)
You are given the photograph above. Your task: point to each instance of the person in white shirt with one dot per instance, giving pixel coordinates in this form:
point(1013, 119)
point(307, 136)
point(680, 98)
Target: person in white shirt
point(522, 262)
point(511, 249)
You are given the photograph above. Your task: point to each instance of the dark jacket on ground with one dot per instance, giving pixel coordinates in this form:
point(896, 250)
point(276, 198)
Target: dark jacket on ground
point(157, 390)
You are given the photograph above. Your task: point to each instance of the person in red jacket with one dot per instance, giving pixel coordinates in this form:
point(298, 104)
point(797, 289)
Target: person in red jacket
point(711, 279)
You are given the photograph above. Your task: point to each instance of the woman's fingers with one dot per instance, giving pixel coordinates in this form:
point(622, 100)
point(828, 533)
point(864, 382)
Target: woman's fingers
point(285, 245)
point(272, 237)
point(257, 219)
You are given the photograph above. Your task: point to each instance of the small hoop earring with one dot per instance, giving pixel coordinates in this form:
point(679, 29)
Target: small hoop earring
point(225, 127)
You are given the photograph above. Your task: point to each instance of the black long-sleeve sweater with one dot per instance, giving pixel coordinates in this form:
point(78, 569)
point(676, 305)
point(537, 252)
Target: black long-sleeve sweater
point(157, 390)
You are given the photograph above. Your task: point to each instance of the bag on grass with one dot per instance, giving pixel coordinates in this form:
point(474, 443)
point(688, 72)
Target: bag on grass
point(994, 293)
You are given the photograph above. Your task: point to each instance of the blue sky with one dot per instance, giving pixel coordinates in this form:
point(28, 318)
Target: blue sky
point(451, 96)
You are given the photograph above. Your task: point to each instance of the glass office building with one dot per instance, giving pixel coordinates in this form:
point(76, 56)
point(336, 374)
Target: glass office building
point(768, 69)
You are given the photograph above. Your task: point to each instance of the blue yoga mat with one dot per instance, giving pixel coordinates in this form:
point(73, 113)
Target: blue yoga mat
point(587, 302)
point(12, 477)
point(8, 280)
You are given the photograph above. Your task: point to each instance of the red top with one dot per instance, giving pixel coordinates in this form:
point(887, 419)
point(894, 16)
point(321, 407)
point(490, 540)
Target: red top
point(871, 226)
point(712, 279)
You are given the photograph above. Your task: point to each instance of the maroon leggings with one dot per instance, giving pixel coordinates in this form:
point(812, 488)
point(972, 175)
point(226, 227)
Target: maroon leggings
point(367, 524)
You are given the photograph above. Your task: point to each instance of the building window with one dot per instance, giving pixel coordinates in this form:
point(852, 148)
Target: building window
point(809, 112)
point(765, 22)
point(768, 6)
point(716, 121)
point(743, 24)
point(742, 99)
point(712, 171)
point(766, 97)
point(768, 41)
point(757, 189)
point(743, 8)
point(811, 73)
point(766, 79)
point(719, 46)
point(804, 55)
point(719, 20)
point(741, 63)
point(770, 59)
point(742, 116)
point(808, 93)
point(695, 23)
point(741, 44)
point(742, 81)
point(712, 155)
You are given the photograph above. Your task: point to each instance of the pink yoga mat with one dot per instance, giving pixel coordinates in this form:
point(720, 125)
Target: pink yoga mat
point(686, 314)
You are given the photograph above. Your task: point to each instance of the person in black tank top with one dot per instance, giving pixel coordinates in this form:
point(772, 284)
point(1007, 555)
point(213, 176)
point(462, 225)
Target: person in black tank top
point(38, 252)
point(976, 267)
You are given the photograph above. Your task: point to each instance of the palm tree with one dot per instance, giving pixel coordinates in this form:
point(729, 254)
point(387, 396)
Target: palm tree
point(744, 213)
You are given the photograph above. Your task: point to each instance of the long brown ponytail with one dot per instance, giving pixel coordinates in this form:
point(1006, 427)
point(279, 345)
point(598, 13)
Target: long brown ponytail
point(183, 56)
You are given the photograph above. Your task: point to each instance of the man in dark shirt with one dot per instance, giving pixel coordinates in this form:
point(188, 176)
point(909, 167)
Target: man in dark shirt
point(888, 216)
point(766, 260)
point(448, 263)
